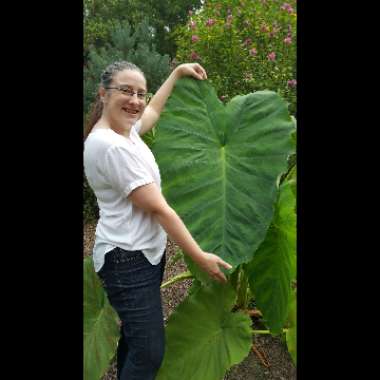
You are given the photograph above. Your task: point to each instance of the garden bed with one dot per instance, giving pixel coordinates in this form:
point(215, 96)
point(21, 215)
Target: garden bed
point(280, 363)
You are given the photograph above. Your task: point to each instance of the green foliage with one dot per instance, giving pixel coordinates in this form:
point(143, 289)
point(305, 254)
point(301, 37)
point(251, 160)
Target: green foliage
point(291, 334)
point(292, 159)
point(97, 19)
point(219, 338)
point(235, 45)
point(164, 16)
point(101, 15)
point(101, 329)
point(90, 205)
point(270, 272)
point(222, 181)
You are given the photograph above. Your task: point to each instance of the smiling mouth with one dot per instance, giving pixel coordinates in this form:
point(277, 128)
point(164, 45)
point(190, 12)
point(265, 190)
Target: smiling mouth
point(130, 111)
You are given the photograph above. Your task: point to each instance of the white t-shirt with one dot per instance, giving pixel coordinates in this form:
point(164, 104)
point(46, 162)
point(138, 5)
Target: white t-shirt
point(114, 166)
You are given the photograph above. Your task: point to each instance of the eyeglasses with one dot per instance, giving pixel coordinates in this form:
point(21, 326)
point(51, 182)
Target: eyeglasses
point(130, 93)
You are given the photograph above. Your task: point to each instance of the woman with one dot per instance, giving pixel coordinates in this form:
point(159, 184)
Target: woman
point(131, 235)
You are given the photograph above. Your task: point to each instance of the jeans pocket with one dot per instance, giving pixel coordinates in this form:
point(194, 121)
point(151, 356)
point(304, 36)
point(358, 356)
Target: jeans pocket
point(139, 272)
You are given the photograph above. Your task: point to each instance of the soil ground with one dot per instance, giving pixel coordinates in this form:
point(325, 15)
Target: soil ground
point(280, 364)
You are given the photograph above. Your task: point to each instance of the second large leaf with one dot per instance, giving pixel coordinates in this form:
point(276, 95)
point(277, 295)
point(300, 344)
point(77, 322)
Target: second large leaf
point(219, 164)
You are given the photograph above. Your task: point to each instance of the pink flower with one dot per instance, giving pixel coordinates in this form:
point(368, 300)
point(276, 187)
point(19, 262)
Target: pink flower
point(292, 83)
point(284, 6)
point(272, 56)
point(194, 56)
point(223, 98)
point(193, 24)
point(287, 7)
point(210, 22)
point(194, 38)
point(288, 40)
point(253, 52)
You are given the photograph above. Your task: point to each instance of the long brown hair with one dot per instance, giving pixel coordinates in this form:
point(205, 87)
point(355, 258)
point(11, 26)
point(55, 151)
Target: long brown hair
point(105, 81)
point(96, 113)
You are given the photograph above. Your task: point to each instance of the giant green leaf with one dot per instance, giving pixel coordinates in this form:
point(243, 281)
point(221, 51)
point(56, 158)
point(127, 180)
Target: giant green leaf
point(274, 266)
point(204, 338)
point(101, 329)
point(219, 165)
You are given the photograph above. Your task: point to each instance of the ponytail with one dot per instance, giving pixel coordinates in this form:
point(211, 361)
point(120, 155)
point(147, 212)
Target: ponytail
point(96, 113)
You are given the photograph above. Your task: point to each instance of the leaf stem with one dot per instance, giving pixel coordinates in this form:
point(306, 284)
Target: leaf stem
point(180, 277)
point(242, 292)
point(266, 331)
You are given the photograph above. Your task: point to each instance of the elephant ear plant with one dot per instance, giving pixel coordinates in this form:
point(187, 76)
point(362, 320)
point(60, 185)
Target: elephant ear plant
point(101, 330)
point(221, 168)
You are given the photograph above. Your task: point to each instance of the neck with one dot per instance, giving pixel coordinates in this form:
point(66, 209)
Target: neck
point(123, 129)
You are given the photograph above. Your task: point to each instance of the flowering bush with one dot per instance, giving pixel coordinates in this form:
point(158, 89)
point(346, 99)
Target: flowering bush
point(244, 45)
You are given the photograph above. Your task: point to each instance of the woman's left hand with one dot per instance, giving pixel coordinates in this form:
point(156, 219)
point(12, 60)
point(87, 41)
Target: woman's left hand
point(191, 69)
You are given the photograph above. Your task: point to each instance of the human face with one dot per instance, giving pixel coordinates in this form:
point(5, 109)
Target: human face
point(123, 110)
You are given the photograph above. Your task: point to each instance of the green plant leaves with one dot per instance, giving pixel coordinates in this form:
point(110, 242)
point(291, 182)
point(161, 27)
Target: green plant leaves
point(219, 165)
point(291, 334)
point(204, 338)
point(226, 50)
point(273, 267)
point(101, 331)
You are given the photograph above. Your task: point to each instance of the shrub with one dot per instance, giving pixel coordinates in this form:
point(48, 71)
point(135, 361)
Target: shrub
point(245, 46)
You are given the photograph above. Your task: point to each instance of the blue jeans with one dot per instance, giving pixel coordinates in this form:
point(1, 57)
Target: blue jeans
point(132, 285)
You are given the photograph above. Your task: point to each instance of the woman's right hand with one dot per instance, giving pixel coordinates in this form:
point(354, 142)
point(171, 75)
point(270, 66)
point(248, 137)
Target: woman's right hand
point(194, 70)
point(210, 264)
